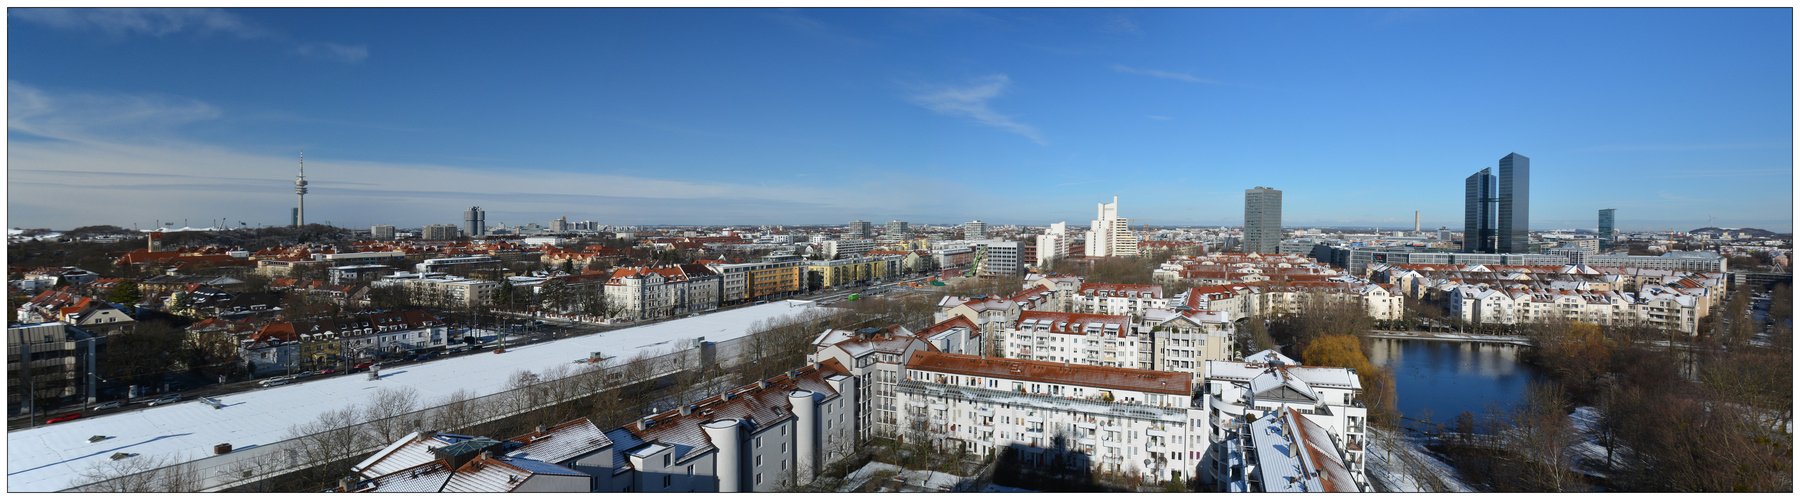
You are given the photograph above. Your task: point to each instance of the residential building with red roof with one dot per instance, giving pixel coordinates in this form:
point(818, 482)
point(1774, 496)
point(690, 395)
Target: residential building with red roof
point(642, 293)
point(1119, 420)
point(1113, 298)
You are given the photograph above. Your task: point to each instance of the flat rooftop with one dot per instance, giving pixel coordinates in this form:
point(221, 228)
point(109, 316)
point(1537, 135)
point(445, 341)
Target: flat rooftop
point(52, 457)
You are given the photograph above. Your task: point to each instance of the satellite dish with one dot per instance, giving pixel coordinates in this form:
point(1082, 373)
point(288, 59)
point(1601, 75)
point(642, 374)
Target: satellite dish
point(1147, 462)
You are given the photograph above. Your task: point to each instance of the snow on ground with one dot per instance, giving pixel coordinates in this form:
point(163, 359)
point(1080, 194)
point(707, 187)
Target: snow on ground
point(1391, 472)
point(1588, 454)
point(49, 458)
point(916, 480)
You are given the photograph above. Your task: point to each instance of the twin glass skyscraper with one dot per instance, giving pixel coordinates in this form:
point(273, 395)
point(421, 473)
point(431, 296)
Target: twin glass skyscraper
point(1497, 209)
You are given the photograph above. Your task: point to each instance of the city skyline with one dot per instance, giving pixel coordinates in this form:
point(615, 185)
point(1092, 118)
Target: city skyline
point(932, 116)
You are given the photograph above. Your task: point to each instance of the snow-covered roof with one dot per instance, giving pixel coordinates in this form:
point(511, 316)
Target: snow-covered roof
point(50, 458)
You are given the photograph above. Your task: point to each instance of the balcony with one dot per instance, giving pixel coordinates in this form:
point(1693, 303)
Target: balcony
point(1156, 448)
point(1157, 432)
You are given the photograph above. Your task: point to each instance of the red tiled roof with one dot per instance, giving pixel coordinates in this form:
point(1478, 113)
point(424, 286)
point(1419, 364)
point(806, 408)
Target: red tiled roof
point(1060, 373)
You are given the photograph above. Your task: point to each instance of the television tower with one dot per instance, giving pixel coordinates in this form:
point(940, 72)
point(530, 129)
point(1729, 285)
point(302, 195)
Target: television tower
point(300, 189)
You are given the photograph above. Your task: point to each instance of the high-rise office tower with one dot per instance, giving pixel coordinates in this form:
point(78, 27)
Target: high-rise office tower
point(1514, 205)
point(1478, 212)
point(858, 230)
point(475, 222)
point(1497, 208)
point(976, 230)
point(1262, 220)
point(896, 229)
point(1606, 228)
point(1111, 235)
point(381, 232)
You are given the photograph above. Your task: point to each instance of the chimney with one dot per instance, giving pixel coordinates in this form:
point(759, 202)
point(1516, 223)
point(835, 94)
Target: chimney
point(762, 384)
point(541, 429)
point(348, 483)
point(687, 410)
point(643, 423)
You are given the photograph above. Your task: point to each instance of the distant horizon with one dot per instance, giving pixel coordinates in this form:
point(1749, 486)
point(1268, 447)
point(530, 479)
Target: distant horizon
point(762, 116)
point(918, 225)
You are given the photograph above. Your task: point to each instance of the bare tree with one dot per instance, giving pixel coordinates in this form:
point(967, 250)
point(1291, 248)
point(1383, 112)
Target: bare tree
point(139, 474)
point(387, 412)
point(333, 436)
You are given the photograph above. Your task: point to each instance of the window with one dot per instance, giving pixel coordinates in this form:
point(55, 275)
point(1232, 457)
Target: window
point(759, 478)
point(667, 480)
point(759, 463)
point(690, 471)
point(666, 459)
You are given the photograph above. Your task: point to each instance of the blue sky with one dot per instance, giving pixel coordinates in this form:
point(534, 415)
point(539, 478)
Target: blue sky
point(820, 116)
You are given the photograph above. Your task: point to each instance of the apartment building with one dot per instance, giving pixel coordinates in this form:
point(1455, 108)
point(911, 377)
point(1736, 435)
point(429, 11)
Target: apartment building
point(1113, 298)
point(658, 292)
point(325, 343)
point(1111, 235)
point(442, 289)
point(846, 248)
point(1239, 395)
point(1657, 306)
point(764, 437)
point(775, 276)
point(1677, 261)
point(1184, 339)
point(852, 271)
point(1056, 415)
point(874, 357)
point(1090, 339)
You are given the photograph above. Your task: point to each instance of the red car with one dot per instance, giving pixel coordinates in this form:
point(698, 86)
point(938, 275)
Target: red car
point(64, 418)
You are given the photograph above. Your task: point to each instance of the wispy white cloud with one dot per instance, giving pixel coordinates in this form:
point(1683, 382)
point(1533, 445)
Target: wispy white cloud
point(83, 116)
point(334, 52)
point(972, 101)
point(116, 158)
point(139, 21)
point(1162, 74)
point(1118, 24)
point(796, 21)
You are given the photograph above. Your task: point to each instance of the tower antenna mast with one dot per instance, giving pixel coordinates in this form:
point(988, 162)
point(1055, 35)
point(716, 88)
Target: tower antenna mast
point(300, 189)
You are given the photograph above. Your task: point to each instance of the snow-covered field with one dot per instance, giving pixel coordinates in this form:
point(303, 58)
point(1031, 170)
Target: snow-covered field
point(49, 458)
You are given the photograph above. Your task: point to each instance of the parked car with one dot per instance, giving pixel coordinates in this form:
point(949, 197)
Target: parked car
point(304, 374)
point(275, 382)
point(109, 405)
point(166, 399)
point(426, 357)
point(327, 371)
point(360, 367)
point(64, 418)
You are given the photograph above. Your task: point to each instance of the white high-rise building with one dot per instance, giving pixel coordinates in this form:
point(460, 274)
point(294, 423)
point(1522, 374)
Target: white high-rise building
point(1111, 236)
point(1053, 244)
point(976, 230)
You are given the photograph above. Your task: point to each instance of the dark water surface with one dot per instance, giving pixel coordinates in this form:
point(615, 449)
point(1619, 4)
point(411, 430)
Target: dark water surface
point(1439, 379)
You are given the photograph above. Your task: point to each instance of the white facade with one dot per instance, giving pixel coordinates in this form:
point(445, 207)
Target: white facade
point(1111, 235)
point(975, 230)
point(1111, 298)
point(643, 293)
point(1089, 339)
point(1053, 415)
point(1237, 392)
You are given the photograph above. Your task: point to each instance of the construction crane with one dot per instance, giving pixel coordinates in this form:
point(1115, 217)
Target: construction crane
point(1129, 221)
